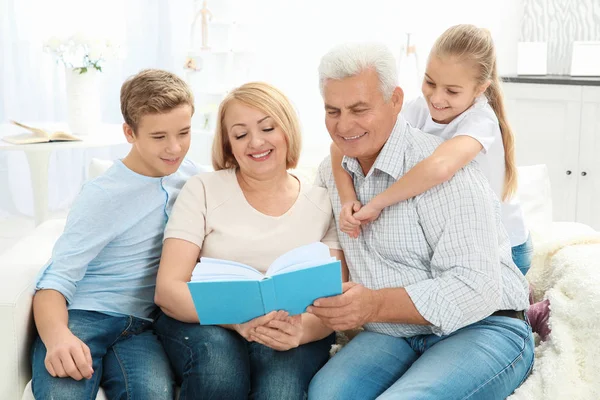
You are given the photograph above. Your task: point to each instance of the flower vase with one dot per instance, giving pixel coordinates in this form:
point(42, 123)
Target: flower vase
point(83, 101)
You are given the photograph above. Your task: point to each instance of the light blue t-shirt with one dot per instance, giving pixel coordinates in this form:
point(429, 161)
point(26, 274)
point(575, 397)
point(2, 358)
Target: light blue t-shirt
point(107, 258)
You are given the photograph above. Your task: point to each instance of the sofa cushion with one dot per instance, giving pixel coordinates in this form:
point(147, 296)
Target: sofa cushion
point(97, 167)
point(535, 196)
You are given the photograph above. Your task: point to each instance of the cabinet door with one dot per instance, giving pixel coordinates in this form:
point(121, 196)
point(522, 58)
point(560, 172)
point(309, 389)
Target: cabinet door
point(546, 121)
point(588, 198)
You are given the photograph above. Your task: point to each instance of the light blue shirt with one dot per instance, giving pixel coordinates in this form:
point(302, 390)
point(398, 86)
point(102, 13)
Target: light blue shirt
point(107, 258)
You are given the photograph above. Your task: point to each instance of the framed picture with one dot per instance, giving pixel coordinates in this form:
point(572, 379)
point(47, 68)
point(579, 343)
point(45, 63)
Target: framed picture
point(586, 59)
point(532, 58)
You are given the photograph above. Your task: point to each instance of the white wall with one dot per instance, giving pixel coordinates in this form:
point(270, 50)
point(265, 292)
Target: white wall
point(292, 36)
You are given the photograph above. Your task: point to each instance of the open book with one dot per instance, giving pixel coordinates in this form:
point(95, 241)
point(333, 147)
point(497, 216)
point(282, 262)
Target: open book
point(37, 135)
point(226, 292)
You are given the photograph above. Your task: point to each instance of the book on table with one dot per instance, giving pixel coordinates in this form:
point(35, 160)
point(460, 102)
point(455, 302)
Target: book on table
point(37, 135)
point(228, 292)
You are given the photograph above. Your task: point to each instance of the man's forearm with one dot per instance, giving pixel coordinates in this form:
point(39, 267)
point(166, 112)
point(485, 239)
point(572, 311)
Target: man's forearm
point(50, 314)
point(395, 306)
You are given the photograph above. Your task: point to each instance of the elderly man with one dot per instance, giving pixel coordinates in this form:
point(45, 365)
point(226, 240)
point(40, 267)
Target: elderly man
point(433, 282)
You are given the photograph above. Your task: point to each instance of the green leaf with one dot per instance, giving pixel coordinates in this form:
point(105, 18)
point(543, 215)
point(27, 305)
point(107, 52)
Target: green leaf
point(82, 70)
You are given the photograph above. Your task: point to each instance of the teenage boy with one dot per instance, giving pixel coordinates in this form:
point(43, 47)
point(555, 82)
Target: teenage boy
point(93, 306)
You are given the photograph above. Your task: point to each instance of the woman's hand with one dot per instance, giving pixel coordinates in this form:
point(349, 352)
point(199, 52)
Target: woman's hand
point(349, 224)
point(279, 334)
point(247, 327)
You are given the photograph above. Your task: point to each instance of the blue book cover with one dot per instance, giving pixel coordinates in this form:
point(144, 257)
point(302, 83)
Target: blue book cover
point(226, 292)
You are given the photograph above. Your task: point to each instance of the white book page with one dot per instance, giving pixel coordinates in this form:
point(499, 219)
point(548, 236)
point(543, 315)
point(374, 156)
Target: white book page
point(304, 265)
point(315, 253)
point(208, 270)
point(63, 136)
point(220, 261)
point(25, 138)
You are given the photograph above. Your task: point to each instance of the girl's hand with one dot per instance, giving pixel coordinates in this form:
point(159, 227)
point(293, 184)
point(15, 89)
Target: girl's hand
point(367, 213)
point(280, 335)
point(246, 328)
point(348, 223)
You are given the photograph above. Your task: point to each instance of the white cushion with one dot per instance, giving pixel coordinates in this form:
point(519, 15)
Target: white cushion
point(97, 167)
point(535, 196)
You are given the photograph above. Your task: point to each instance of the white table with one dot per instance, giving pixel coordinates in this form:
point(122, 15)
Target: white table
point(38, 156)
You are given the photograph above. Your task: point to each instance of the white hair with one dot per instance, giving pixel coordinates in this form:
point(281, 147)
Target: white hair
point(351, 59)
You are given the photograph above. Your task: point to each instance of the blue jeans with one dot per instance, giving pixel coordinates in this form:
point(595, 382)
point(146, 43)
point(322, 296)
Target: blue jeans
point(486, 360)
point(212, 362)
point(522, 255)
point(128, 361)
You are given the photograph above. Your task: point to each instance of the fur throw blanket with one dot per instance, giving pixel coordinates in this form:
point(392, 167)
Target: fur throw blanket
point(566, 270)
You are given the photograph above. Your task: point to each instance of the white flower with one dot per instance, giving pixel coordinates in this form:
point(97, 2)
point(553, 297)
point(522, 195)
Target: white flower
point(79, 39)
point(81, 51)
point(53, 44)
point(96, 50)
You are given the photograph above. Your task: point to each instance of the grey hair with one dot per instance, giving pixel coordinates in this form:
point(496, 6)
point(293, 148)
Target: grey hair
point(351, 59)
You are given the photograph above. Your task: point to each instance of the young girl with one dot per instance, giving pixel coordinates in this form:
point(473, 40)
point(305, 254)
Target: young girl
point(462, 102)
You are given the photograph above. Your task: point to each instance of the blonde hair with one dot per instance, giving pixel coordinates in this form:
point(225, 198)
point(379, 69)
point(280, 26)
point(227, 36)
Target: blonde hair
point(153, 91)
point(475, 45)
point(271, 101)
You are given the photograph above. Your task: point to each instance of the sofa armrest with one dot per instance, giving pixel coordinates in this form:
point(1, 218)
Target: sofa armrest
point(18, 269)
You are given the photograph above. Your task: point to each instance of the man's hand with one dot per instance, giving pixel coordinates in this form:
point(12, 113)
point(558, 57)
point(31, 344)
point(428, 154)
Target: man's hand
point(367, 213)
point(356, 306)
point(349, 224)
point(68, 356)
point(280, 335)
point(247, 327)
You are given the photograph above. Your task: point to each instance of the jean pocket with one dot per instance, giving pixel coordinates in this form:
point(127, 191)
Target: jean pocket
point(518, 326)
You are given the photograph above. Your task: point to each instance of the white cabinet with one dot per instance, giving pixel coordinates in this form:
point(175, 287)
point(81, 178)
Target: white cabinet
point(559, 125)
point(588, 179)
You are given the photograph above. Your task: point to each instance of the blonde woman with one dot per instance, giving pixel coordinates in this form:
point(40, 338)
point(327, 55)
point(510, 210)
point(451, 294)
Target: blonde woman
point(249, 210)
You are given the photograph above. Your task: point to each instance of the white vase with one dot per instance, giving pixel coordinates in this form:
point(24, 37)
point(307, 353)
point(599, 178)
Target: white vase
point(83, 101)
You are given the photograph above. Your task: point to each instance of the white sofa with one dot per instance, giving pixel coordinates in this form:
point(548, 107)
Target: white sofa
point(18, 268)
point(554, 241)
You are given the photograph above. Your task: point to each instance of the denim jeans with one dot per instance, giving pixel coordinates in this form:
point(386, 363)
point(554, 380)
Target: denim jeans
point(212, 362)
point(522, 255)
point(128, 361)
point(487, 360)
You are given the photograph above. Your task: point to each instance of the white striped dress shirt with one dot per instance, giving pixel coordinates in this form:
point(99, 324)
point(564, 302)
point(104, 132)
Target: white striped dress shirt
point(447, 247)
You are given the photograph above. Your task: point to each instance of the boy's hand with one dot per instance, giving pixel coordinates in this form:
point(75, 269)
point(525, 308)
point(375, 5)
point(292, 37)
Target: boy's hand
point(68, 356)
point(280, 335)
point(367, 213)
point(348, 223)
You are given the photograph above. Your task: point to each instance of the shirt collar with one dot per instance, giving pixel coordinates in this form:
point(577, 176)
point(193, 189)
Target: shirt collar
point(390, 157)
